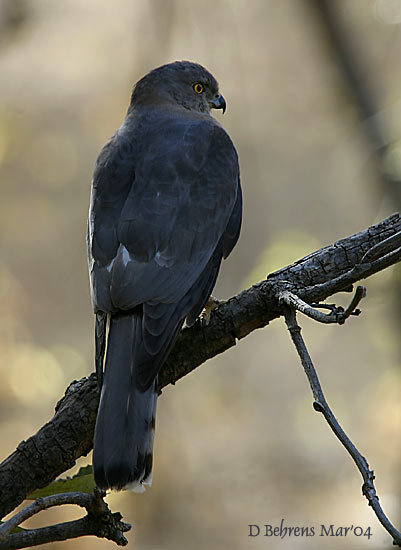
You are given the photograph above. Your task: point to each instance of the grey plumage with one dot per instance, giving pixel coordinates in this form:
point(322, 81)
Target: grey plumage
point(165, 209)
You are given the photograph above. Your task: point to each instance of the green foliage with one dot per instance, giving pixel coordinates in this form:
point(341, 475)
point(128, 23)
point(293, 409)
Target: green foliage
point(16, 529)
point(82, 481)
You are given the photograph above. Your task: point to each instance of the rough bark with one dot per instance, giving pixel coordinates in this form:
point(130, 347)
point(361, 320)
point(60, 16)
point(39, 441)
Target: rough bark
point(99, 521)
point(68, 435)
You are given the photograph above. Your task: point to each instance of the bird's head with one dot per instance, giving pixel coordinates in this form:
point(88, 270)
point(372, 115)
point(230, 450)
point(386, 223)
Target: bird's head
point(182, 83)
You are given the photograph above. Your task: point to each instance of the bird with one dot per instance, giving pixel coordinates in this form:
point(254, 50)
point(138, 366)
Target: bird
point(165, 210)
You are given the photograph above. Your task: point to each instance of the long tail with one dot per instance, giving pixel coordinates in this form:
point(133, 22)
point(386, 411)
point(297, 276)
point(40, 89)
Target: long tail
point(124, 432)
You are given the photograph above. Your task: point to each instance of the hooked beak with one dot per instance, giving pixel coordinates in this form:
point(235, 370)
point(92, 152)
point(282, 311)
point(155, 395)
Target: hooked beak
point(218, 103)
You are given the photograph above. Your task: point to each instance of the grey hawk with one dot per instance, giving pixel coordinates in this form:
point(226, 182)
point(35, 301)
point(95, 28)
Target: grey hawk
point(165, 210)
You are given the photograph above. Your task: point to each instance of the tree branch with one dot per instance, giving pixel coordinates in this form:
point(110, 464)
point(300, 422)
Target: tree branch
point(362, 91)
point(99, 521)
point(336, 315)
point(68, 435)
point(320, 405)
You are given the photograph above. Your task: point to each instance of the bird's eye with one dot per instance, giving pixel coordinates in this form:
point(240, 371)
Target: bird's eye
point(198, 88)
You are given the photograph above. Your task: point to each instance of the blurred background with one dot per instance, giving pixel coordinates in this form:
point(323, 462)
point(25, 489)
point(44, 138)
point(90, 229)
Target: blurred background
point(314, 108)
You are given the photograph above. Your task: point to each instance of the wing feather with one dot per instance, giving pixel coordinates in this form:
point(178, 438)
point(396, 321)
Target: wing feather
point(166, 207)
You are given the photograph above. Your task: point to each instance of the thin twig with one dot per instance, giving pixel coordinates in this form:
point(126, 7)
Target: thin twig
point(99, 521)
point(329, 307)
point(43, 503)
point(360, 293)
point(320, 405)
point(344, 50)
point(336, 315)
point(294, 301)
point(382, 248)
point(356, 273)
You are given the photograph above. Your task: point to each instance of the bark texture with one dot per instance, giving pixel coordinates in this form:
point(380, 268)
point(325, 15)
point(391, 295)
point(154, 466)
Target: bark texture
point(68, 435)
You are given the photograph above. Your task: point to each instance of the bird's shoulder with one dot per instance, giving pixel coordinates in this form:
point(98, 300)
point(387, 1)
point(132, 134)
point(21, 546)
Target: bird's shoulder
point(151, 135)
point(175, 127)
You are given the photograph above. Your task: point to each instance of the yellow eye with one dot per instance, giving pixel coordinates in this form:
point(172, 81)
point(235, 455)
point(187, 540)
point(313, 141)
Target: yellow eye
point(198, 88)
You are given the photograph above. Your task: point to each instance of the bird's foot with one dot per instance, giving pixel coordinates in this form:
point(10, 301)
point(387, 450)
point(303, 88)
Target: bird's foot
point(210, 305)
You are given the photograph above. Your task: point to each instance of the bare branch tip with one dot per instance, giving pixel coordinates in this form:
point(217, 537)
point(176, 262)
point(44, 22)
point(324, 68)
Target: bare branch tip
point(336, 314)
point(381, 249)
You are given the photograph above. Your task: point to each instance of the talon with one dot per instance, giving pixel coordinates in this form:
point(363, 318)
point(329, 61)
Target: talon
point(210, 305)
